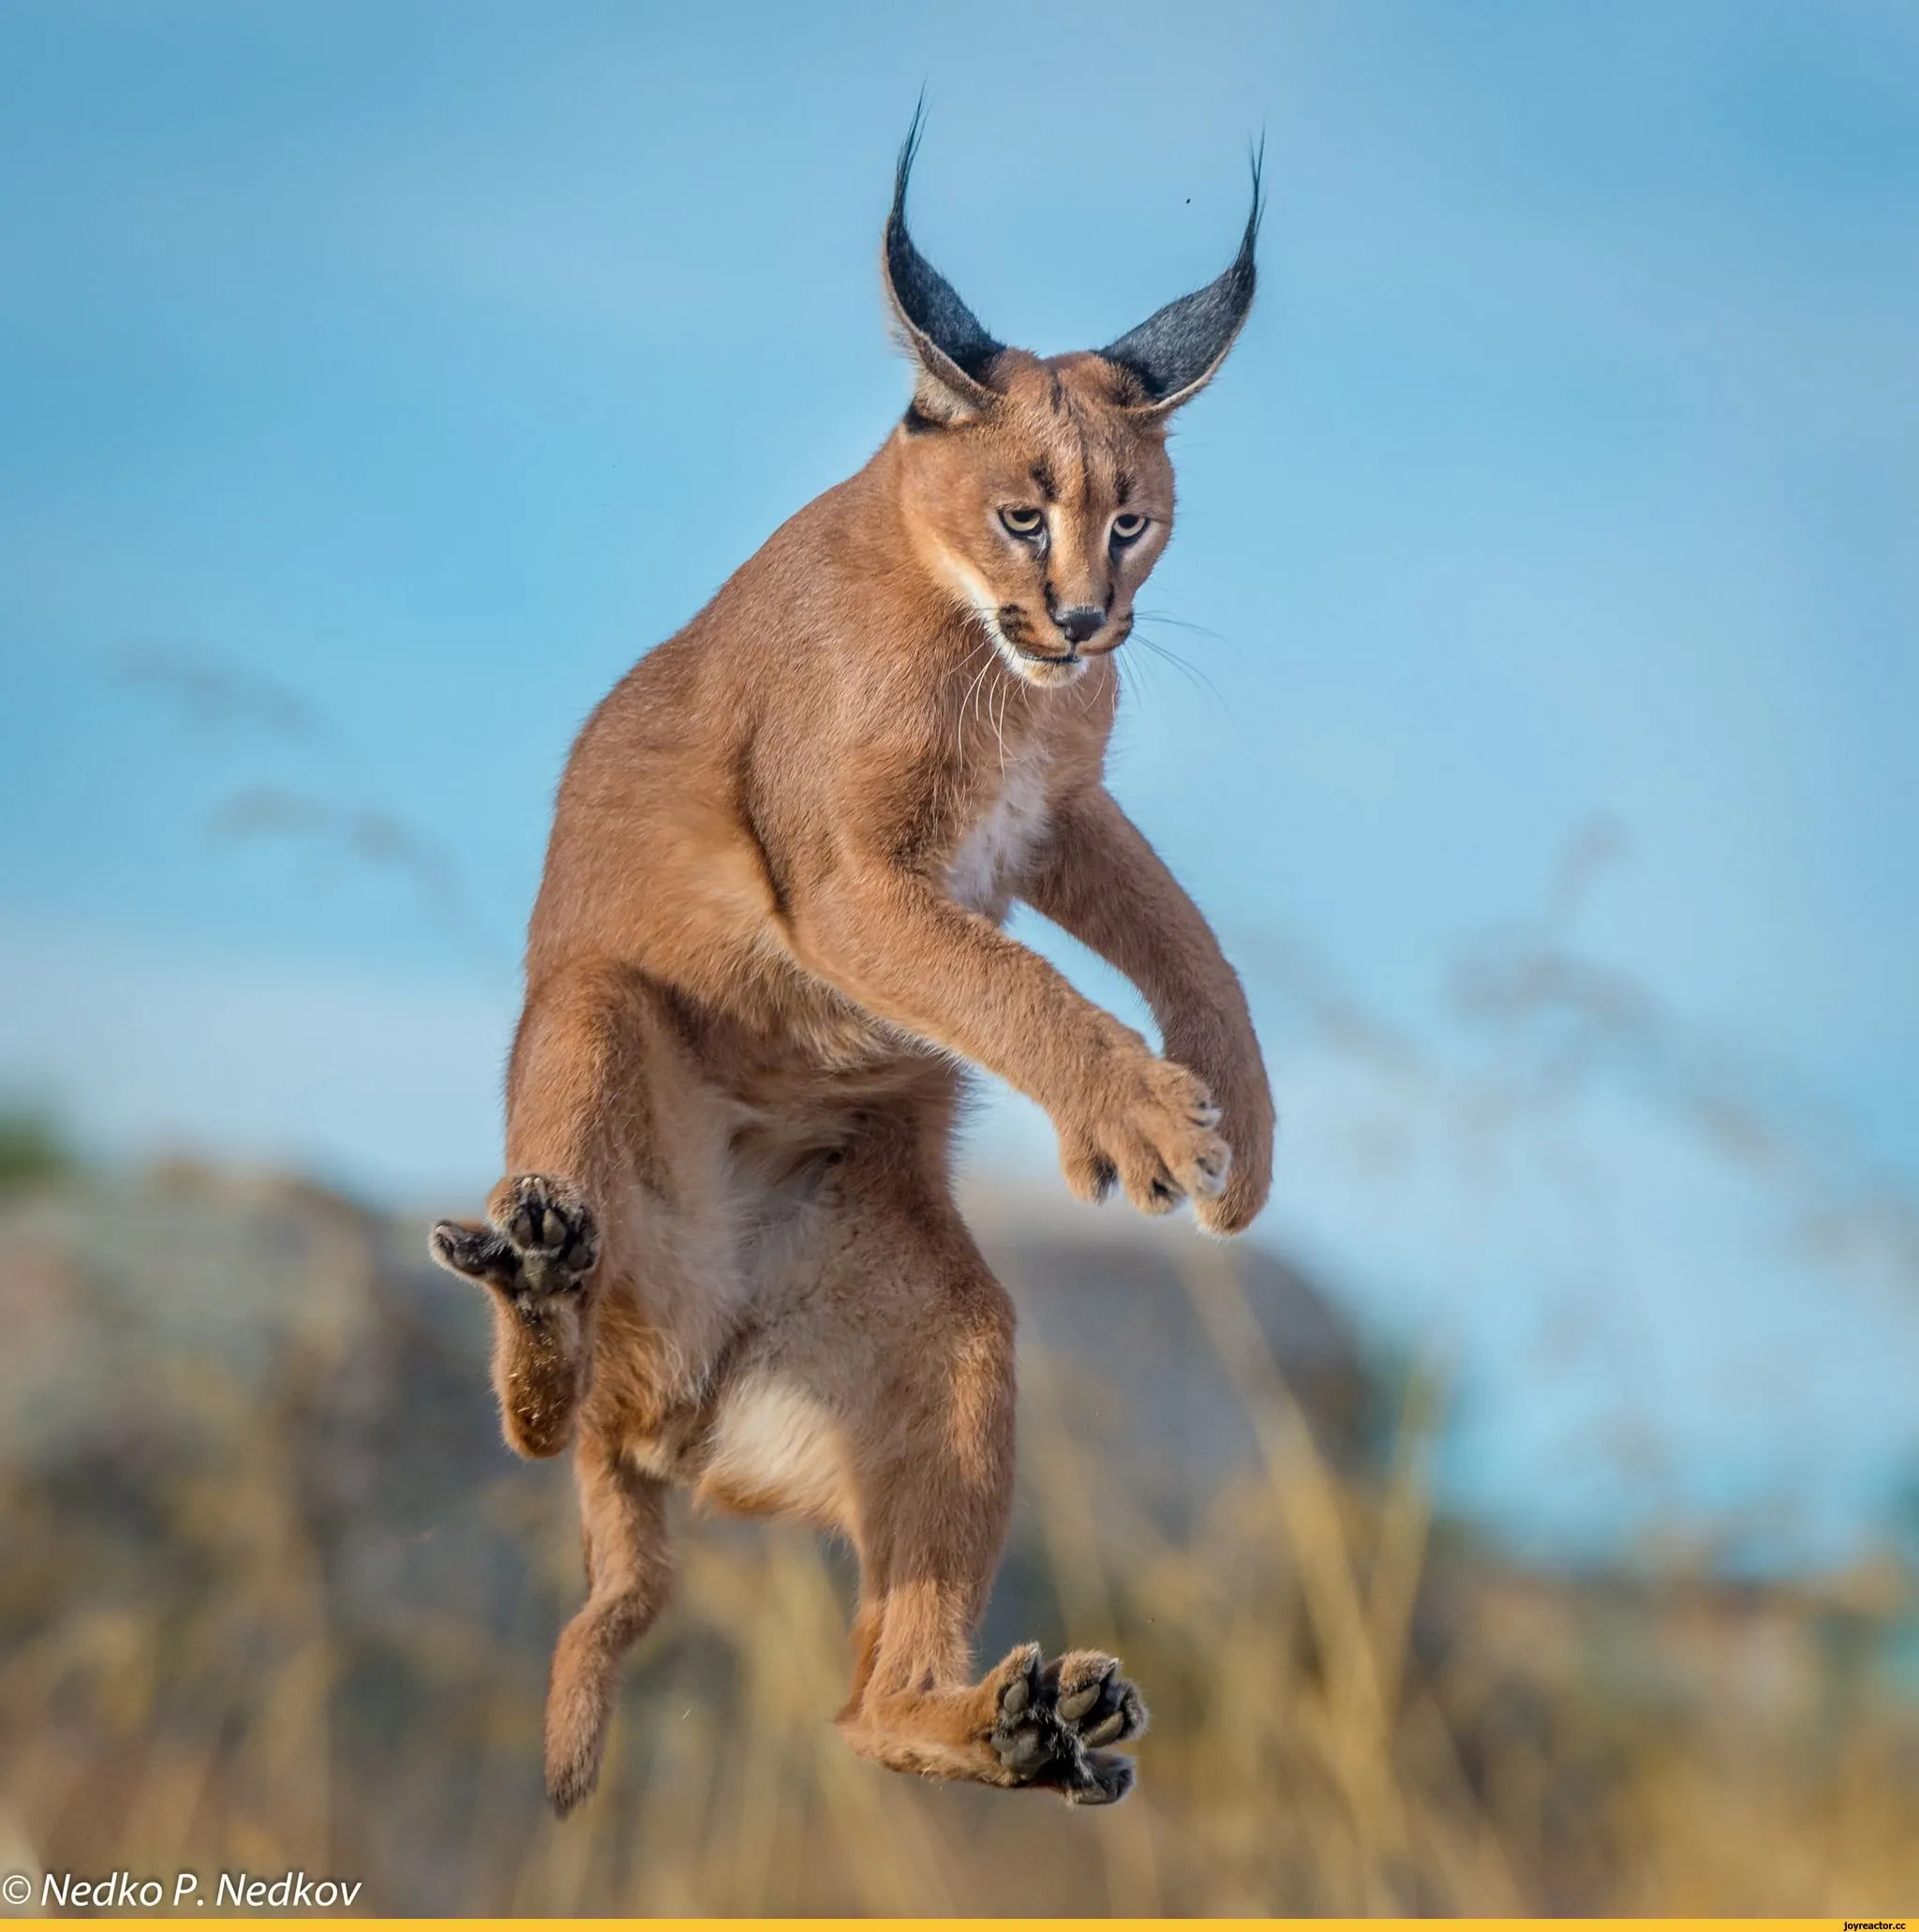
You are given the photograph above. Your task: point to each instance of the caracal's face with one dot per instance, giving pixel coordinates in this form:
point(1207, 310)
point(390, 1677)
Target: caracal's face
point(1045, 513)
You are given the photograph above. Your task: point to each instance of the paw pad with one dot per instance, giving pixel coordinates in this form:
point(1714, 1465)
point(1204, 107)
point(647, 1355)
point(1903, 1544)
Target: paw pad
point(1053, 1720)
point(542, 1243)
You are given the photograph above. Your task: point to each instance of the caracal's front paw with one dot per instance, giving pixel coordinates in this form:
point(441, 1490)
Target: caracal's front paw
point(541, 1245)
point(1249, 1125)
point(1052, 1722)
point(1157, 1140)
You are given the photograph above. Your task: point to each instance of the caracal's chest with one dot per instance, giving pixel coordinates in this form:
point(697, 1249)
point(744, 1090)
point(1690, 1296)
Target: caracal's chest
point(1008, 825)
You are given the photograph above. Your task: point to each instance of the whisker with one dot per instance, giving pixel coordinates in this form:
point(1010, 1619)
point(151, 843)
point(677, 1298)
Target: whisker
point(1192, 673)
point(1139, 682)
point(992, 651)
point(983, 704)
point(1181, 624)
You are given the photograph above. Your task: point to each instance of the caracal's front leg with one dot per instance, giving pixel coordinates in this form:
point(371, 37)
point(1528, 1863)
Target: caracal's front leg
point(1099, 880)
point(897, 946)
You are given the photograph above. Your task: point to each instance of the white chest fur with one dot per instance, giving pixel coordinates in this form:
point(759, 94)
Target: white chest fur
point(992, 856)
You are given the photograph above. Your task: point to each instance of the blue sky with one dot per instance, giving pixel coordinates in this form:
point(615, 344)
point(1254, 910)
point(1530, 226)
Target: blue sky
point(377, 382)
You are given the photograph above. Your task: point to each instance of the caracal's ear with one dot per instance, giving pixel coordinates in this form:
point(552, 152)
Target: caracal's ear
point(1174, 353)
point(951, 349)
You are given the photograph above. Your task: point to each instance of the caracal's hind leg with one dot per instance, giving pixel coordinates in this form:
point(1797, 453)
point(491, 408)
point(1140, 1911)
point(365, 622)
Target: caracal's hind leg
point(629, 1571)
point(934, 1476)
point(579, 1106)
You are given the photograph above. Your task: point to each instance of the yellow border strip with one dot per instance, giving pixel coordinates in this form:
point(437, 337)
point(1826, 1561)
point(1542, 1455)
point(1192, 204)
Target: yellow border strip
point(811, 1925)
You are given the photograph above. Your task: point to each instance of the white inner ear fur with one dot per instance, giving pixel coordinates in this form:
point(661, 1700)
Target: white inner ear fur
point(936, 398)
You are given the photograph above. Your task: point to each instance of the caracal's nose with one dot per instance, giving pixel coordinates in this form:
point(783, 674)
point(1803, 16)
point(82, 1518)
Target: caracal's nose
point(1080, 622)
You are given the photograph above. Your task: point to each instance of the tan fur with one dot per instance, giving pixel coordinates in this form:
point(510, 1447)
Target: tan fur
point(726, 1255)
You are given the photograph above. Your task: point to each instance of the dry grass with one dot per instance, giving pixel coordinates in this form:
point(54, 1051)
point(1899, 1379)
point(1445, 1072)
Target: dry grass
point(255, 1624)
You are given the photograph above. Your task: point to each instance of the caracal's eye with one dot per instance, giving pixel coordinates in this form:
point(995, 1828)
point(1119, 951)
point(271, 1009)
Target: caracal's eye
point(1023, 522)
point(1128, 528)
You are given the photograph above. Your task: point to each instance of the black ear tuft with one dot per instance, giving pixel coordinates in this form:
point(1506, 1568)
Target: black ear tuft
point(1175, 351)
point(932, 312)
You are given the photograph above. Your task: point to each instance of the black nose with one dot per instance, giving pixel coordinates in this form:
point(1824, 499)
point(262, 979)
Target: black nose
point(1078, 623)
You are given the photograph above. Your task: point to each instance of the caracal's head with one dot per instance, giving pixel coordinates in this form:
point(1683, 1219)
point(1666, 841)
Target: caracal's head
point(1039, 493)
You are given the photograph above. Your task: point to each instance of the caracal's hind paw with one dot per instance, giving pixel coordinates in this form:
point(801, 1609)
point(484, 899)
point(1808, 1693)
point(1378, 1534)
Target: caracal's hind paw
point(542, 1243)
point(1053, 1720)
point(535, 1256)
